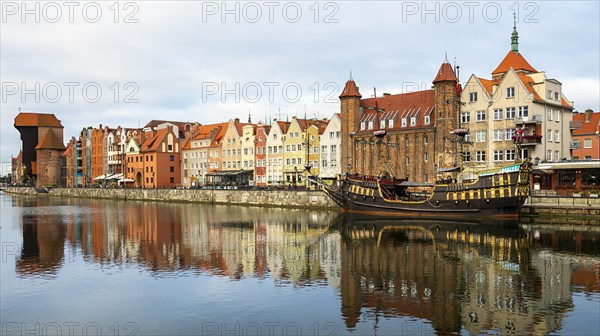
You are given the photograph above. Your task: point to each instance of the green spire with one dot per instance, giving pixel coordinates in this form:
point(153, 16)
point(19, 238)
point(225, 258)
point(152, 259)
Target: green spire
point(515, 36)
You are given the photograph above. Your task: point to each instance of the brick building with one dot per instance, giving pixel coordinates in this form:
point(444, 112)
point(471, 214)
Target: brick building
point(42, 136)
point(417, 145)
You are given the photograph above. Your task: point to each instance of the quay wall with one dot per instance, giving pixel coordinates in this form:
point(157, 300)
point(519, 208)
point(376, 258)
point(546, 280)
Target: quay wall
point(267, 198)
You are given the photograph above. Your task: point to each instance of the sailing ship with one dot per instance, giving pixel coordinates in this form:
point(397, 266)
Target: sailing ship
point(497, 193)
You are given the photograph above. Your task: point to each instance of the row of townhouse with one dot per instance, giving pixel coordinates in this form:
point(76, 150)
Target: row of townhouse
point(260, 154)
point(171, 154)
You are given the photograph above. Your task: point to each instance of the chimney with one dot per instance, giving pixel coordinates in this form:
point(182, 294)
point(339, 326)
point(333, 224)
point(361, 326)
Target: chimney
point(386, 94)
point(237, 120)
point(588, 115)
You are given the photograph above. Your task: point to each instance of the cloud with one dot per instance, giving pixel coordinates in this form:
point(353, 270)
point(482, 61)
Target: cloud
point(166, 60)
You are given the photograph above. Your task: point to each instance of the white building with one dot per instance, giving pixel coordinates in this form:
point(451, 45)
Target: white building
point(330, 154)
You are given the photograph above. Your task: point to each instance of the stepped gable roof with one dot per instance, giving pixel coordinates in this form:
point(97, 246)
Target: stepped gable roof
point(30, 119)
point(513, 60)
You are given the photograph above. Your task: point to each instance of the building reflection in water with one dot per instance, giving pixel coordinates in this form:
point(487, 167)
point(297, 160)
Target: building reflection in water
point(457, 276)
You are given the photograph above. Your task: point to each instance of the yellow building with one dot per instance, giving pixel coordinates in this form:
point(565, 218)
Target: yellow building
point(301, 149)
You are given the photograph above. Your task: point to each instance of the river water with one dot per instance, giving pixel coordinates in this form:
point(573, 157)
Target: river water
point(77, 266)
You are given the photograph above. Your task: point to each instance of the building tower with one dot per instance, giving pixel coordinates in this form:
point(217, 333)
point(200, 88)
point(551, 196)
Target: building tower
point(350, 114)
point(447, 102)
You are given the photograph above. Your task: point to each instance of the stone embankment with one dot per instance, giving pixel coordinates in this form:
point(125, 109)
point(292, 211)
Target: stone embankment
point(269, 198)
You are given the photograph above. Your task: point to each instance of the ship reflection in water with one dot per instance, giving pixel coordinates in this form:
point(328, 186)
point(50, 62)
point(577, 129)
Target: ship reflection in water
point(195, 264)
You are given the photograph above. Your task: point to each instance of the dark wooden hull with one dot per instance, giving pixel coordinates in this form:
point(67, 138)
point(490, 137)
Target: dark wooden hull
point(499, 195)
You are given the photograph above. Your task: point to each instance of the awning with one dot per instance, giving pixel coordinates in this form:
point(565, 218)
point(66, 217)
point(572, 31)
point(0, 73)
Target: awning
point(125, 180)
point(101, 177)
point(115, 177)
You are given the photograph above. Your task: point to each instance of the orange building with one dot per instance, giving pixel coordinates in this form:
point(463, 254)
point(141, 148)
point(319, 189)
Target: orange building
point(99, 163)
point(586, 136)
point(155, 163)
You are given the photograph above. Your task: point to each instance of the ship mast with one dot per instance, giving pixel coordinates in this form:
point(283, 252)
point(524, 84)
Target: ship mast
point(379, 133)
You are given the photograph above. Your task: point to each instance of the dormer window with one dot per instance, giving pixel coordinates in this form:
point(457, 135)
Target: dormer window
point(382, 124)
point(413, 121)
point(427, 120)
point(370, 125)
point(391, 123)
point(403, 122)
point(556, 96)
point(510, 92)
point(362, 126)
point(473, 96)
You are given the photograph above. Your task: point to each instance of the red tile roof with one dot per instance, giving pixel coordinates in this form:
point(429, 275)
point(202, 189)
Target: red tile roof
point(446, 73)
point(587, 128)
point(50, 141)
point(350, 90)
point(28, 119)
point(413, 104)
point(488, 85)
point(151, 144)
point(283, 125)
point(513, 60)
point(528, 82)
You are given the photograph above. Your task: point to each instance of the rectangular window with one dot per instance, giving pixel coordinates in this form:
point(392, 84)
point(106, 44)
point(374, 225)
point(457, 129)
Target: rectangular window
point(556, 96)
point(413, 121)
point(324, 163)
point(510, 155)
point(510, 92)
point(556, 136)
point(523, 111)
point(549, 135)
point(370, 125)
point(172, 180)
point(467, 156)
point(171, 169)
point(427, 120)
point(510, 113)
point(480, 116)
point(510, 133)
point(498, 134)
point(480, 136)
point(426, 156)
point(473, 96)
point(403, 122)
point(381, 124)
point(587, 143)
point(465, 117)
point(480, 156)
point(549, 113)
point(390, 123)
point(549, 155)
point(323, 149)
point(549, 94)
point(498, 114)
point(498, 155)
point(557, 116)
point(362, 126)
point(170, 148)
point(556, 156)
point(333, 149)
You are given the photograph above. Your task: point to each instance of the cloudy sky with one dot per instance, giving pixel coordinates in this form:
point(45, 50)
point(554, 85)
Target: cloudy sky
point(96, 63)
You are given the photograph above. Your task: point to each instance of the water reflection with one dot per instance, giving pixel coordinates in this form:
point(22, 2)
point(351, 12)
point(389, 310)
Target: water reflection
point(454, 277)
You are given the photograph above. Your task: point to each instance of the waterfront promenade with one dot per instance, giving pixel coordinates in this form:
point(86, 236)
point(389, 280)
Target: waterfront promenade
point(547, 206)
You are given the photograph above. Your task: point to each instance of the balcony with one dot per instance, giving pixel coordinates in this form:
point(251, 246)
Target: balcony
point(574, 125)
point(528, 140)
point(534, 119)
point(575, 145)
